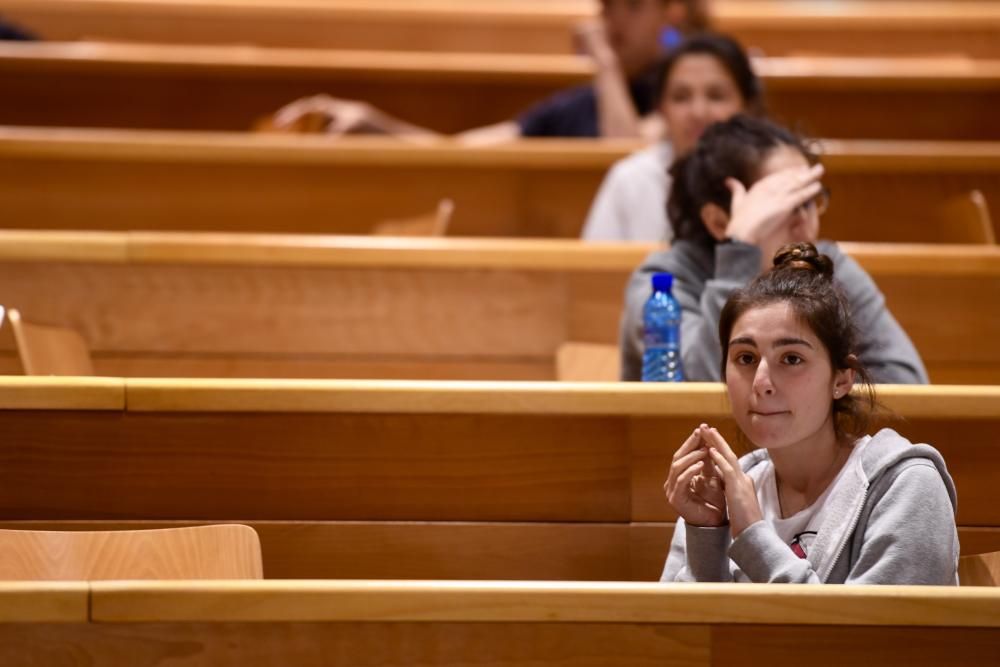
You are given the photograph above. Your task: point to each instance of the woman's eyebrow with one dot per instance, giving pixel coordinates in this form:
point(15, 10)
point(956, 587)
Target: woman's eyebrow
point(781, 342)
point(743, 340)
point(791, 341)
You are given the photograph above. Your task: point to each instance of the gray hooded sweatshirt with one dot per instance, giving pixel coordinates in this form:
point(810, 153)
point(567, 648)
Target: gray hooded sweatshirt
point(704, 279)
point(890, 520)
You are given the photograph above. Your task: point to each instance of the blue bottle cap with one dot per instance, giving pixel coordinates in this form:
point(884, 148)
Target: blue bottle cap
point(662, 282)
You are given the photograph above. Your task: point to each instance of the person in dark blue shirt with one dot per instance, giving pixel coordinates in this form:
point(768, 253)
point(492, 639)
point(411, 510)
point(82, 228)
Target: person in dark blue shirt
point(626, 44)
point(11, 32)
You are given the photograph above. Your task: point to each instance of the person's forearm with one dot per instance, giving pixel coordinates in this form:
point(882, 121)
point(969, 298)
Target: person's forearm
point(383, 122)
point(617, 116)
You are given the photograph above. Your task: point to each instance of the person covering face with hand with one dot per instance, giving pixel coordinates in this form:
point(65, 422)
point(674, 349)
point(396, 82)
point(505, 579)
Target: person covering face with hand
point(748, 188)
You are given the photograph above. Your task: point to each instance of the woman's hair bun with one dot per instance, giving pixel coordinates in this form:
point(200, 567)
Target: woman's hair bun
point(803, 257)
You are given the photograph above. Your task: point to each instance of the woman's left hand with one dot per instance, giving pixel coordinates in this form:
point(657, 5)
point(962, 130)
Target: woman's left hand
point(741, 496)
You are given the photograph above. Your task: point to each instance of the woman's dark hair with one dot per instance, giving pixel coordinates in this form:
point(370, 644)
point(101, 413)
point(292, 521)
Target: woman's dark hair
point(728, 52)
point(803, 278)
point(734, 148)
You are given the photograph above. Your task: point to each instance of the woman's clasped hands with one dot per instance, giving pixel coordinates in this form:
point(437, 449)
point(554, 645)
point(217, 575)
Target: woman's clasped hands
point(706, 485)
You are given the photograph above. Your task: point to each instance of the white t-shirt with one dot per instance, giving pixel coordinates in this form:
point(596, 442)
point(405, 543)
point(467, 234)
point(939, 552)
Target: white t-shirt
point(631, 204)
point(799, 531)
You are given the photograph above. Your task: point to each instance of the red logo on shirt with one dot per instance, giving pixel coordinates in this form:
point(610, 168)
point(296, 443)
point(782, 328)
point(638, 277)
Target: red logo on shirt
point(800, 541)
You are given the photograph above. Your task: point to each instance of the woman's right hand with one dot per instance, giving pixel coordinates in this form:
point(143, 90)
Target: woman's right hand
point(756, 214)
point(328, 114)
point(694, 486)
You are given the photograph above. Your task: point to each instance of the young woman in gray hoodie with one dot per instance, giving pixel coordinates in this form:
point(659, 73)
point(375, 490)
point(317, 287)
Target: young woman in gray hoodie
point(748, 188)
point(819, 501)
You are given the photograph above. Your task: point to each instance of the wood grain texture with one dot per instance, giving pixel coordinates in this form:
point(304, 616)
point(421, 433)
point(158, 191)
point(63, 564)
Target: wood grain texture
point(230, 88)
point(829, 646)
point(360, 644)
point(49, 350)
point(545, 602)
point(233, 306)
point(774, 27)
point(421, 549)
point(510, 451)
point(59, 393)
point(232, 182)
point(201, 552)
point(488, 644)
point(314, 467)
point(460, 550)
point(980, 569)
point(43, 602)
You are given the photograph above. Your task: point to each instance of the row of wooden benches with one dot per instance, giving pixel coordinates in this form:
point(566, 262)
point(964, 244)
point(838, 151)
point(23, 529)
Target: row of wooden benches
point(143, 624)
point(776, 27)
point(887, 191)
point(379, 479)
point(230, 305)
point(232, 88)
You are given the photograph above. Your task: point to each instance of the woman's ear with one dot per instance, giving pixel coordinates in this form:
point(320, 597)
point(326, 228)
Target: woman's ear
point(716, 220)
point(843, 381)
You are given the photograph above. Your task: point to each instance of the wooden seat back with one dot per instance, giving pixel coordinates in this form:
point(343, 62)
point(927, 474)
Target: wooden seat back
point(49, 350)
point(968, 218)
point(432, 224)
point(980, 569)
point(588, 362)
point(204, 552)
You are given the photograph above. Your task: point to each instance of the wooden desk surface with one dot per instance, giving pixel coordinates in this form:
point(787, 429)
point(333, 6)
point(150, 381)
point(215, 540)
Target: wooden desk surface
point(460, 623)
point(61, 393)
point(500, 398)
point(235, 182)
point(776, 27)
point(44, 602)
point(544, 602)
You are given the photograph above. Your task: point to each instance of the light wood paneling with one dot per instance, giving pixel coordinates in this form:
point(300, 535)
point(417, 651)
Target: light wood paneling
point(43, 602)
point(510, 451)
point(234, 306)
point(776, 27)
point(544, 602)
point(314, 467)
point(358, 644)
point(62, 393)
point(493, 623)
point(421, 549)
point(200, 552)
point(230, 88)
point(891, 191)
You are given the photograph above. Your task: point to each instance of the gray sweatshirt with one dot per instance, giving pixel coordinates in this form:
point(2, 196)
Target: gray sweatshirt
point(705, 278)
point(890, 520)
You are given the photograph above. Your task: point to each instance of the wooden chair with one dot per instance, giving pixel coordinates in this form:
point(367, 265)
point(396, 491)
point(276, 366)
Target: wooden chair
point(49, 350)
point(225, 551)
point(432, 224)
point(979, 569)
point(588, 362)
point(968, 216)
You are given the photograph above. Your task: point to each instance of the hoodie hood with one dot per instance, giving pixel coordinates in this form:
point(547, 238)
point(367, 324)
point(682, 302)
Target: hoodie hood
point(882, 452)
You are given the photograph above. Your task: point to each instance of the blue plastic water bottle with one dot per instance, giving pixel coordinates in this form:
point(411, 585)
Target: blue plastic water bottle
point(661, 336)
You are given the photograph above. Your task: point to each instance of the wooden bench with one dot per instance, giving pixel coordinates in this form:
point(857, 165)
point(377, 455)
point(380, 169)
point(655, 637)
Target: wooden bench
point(893, 191)
point(776, 27)
point(520, 624)
point(231, 87)
point(218, 305)
point(532, 472)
